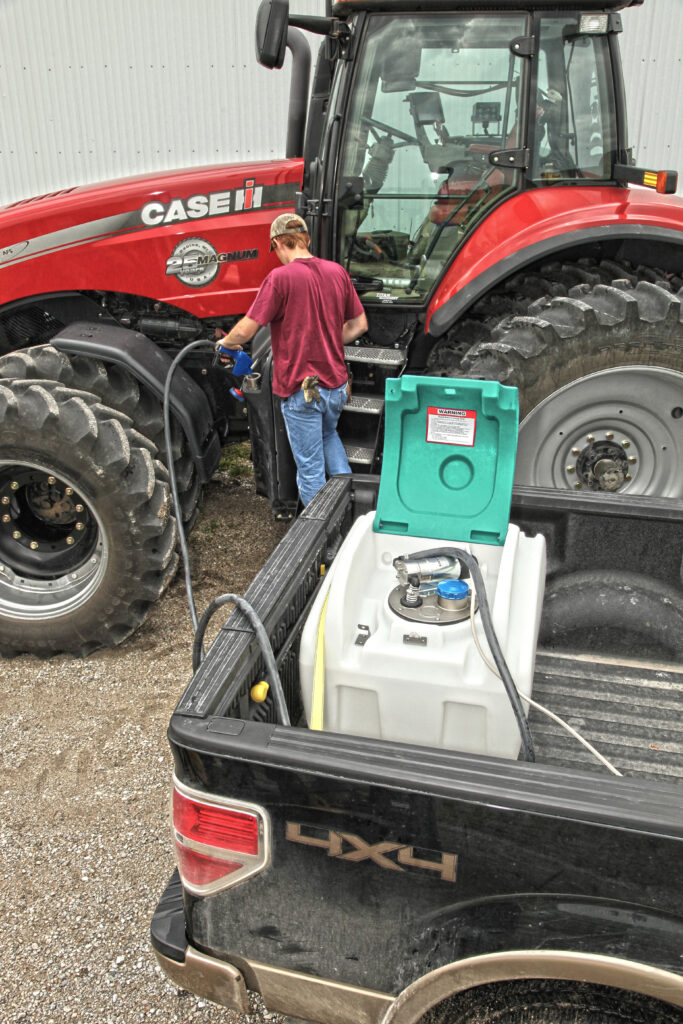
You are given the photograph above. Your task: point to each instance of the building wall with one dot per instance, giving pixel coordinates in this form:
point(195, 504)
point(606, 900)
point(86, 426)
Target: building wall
point(652, 49)
point(98, 89)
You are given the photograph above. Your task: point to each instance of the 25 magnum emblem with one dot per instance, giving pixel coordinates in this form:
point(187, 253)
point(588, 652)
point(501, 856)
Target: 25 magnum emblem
point(391, 856)
point(195, 262)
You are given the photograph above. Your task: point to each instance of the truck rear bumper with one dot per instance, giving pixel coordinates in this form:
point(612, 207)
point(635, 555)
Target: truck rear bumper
point(288, 992)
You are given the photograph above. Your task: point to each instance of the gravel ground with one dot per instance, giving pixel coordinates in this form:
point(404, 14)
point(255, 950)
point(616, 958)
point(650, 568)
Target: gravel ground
point(85, 841)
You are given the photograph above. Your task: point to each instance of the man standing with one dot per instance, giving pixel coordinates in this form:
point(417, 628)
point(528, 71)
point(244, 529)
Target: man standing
point(313, 311)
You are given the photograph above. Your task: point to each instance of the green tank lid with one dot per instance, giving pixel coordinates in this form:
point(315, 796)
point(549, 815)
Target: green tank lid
point(449, 459)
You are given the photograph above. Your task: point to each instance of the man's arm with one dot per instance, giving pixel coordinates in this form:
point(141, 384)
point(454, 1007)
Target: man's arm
point(243, 331)
point(354, 328)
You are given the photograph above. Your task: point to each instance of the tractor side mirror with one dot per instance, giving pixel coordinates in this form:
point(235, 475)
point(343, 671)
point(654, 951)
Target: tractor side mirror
point(400, 67)
point(271, 32)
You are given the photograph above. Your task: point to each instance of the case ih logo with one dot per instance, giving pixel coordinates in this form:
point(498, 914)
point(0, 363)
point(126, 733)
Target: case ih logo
point(346, 846)
point(214, 204)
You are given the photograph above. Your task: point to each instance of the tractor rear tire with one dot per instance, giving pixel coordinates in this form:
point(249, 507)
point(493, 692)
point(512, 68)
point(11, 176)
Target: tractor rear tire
point(117, 389)
point(600, 377)
point(87, 539)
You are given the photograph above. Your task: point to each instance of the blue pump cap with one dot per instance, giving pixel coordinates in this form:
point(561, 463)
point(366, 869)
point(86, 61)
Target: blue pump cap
point(455, 590)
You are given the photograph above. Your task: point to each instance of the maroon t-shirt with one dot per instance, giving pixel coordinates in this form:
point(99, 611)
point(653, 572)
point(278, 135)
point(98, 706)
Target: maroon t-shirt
point(306, 304)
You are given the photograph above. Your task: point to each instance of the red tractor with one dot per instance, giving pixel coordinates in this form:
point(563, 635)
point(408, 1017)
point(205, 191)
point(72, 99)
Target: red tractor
point(471, 170)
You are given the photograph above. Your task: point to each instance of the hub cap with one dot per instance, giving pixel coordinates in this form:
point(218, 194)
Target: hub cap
point(618, 431)
point(52, 549)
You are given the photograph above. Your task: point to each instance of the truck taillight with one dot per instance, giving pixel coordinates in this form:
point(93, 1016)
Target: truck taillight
point(218, 842)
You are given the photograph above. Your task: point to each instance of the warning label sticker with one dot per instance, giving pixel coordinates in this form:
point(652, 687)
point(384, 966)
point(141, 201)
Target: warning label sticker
point(451, 426)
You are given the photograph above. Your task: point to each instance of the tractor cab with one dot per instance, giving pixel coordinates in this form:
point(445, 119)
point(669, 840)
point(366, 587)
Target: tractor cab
point(451, 153)
point(434, 117)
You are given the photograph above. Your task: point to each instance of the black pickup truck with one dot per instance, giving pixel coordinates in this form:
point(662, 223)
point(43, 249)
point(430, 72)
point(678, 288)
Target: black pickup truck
point(357, 880)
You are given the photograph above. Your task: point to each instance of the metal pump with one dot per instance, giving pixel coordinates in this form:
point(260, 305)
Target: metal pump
point(431, 589)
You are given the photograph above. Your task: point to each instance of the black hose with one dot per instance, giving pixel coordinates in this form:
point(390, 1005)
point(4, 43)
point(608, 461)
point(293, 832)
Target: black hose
point(508, 682)
point(171, 472)
point(263, 640)
point(242, 603)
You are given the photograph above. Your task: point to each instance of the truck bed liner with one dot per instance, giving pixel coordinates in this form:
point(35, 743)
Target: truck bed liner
point(629, 712)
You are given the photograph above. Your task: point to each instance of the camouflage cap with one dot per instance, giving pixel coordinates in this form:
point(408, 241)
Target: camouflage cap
point(285, 223)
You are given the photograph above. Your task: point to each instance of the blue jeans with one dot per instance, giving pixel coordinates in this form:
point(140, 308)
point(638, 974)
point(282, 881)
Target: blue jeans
point(313, 438)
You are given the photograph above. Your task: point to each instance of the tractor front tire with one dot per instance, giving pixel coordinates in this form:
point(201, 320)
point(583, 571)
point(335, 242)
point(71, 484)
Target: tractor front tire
point(87, 539)
point(600, 378)
point(117, 389)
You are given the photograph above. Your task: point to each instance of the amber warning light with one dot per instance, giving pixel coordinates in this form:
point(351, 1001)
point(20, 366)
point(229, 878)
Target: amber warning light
point(665, 182)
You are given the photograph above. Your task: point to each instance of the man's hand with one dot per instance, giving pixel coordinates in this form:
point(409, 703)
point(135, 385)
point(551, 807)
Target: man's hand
point(243, 331)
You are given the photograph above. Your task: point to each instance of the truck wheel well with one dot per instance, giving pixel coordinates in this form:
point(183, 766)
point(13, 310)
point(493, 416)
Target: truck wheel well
point(446, 985)
point(550, 1002)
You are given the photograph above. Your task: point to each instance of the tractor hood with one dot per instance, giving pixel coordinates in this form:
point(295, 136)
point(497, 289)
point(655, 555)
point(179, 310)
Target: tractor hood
point(180, 237)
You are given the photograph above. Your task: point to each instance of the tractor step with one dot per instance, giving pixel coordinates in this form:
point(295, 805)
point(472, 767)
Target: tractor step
point(375, 354)
point(365, 403)
point(361, 456)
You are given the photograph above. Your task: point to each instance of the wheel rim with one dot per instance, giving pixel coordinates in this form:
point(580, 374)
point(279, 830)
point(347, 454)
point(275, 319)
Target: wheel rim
point(53, 551)
point(618, 431)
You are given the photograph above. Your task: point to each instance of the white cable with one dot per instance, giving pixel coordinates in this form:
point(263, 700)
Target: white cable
point(533, 703)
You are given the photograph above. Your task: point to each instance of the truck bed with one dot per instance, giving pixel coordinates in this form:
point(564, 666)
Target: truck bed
point(621, 689)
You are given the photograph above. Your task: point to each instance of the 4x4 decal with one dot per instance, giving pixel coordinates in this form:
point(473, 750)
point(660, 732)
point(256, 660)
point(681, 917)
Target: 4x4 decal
point(349, 847)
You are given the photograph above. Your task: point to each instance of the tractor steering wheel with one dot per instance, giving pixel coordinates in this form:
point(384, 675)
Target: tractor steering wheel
point(396, 132)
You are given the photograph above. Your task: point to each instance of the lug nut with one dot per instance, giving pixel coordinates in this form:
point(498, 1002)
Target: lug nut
point(52, 480)
point(626, 444)
point(628, 477)
point(17, 535)
point(79, 508)
point(609, 435)
point(576, 451)
point(69, 540)
point(14, 485)
point(80, 526)
point(7, 519)
point(571, 469)
point(590, 439)
point(33, 545)
point(5, 500)
point(632, 459)
point(577, 487)
point(69, 490)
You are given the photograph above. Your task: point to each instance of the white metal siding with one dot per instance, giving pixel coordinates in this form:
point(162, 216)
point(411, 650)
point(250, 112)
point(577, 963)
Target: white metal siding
point(98, 89)
point(651, 49)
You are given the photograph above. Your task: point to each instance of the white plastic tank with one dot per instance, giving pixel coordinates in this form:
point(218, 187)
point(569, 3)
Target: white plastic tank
point(420, 681)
